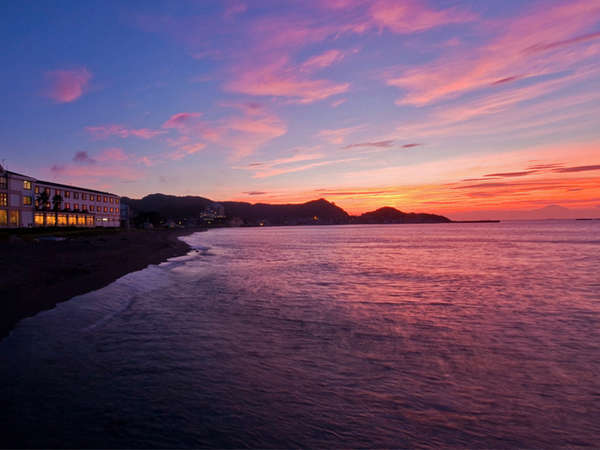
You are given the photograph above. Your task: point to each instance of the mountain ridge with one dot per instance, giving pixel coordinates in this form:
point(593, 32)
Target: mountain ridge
point(320, 211)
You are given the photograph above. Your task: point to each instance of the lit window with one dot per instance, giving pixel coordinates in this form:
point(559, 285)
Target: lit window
point(84, 207)
point(67, 194)
point(3, 217)
point(57, 192)
point(3, 182)
point(117, 201)
point(105, 209)
point(91, 207)
point(38, 218)
point(89, 220)
point(62, 219)
point(80, 220)
point(37, 189)
point(98, 198)
point(105, 199)
point(75, 194)
point(112, 199)
point(14, 217)
point(50, 219)
point(117, 210)
point(76, 206)
point(67, 206)
point(47, 191)
point(83, 196)
point(27, 185)
point(112, 210)
point(27, 200)
point(3, 199)
point(72, 219)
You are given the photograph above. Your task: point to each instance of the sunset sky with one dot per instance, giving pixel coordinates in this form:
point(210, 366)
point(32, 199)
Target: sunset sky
point(471, 109)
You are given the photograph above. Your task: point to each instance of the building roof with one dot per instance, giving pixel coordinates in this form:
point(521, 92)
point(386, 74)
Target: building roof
point(67, 186)
point(50, 183)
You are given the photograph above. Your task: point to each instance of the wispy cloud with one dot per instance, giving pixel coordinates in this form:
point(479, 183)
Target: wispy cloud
point(106, 131)
point(379, 144)
point(337, 135)
point(65, 86)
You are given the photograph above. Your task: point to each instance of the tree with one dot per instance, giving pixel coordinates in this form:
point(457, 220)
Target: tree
point(42, 200)
point(56, 202)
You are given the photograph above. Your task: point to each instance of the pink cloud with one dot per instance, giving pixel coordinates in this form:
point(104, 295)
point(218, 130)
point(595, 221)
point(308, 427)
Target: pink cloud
point(105, 131)
point(322, 60)
point(339, 102)
point(94, 173)
point(181, 120)
point(336, 136)
point(234, 9)
point(411, 16)
point(534, 44)
point(112, 154)
point(242, 133)
point(279, 79)
point(65, 86)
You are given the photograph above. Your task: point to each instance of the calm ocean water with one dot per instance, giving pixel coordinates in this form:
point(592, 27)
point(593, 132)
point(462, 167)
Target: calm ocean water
point(474, 335)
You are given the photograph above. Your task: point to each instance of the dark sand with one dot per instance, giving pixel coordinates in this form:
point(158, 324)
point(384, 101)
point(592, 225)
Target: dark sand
point(36, 274)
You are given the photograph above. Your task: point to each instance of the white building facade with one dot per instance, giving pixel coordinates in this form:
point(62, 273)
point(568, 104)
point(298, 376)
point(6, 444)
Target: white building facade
point(21, 204)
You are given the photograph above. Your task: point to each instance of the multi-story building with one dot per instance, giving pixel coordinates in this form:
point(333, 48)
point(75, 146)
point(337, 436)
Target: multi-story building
point(28, 202)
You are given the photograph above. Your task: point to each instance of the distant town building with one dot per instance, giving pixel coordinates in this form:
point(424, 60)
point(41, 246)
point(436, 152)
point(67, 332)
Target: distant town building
point(28, 202)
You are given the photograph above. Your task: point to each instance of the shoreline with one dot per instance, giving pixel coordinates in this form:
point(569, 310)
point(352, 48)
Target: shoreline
point(38, 274)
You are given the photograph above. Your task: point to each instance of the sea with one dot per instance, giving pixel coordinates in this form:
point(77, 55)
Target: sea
point(467, 335)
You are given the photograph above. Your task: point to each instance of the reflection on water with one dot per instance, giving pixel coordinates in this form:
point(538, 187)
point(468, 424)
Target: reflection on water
point(477, 335)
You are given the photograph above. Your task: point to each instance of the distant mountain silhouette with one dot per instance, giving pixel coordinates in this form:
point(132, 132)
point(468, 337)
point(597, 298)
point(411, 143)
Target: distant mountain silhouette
point(318, 212)
point(170, 206)
point(392, 215)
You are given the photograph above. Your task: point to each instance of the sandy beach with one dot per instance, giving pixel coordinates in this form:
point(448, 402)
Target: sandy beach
point(37, 273)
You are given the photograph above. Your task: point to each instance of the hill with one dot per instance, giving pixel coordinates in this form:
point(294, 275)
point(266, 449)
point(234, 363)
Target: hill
point(314, 212)
point(392, 215)
point(192, 209)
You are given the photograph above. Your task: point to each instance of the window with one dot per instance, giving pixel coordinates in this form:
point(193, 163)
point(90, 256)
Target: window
point(91, 207)
point(72, 219)
point(50, 219)
point(117, 210)
point(98, 198)
point(76, 206)
point(3, 182)
point(89, 221)
point(75, 194)
point(38, 219)
point(84, 207)
point(27, 185)
point(105, 209)
point(27, 200)
point(37, 189)
point(83, 196)
point(67, 206)
point(67, 194)
point(3, 199)
point(112, 199)
point(117, 201)
point(47, 191)
point(14, 217)
point(62, 219)
point(105, 199)
point(112, 210)
point(3, 217)
point(80, 220)
point(57, 192)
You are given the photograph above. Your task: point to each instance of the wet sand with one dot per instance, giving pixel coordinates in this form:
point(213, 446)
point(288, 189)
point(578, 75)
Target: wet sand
point(36, 274)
